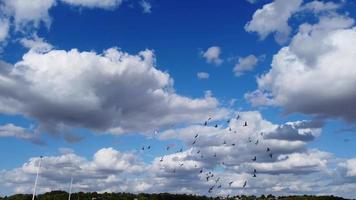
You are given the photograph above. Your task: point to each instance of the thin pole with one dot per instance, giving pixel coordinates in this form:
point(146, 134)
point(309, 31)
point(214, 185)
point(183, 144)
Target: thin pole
point(38, 171)
point(70, 188)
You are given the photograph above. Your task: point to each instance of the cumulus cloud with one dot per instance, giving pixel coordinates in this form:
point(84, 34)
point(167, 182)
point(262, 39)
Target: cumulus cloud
point(293, 169)
point(273, 18)
point(245, 64)
point(203, 75)
point(112, 92)
point(212, 55)
point(29, 12)
point(107, 168)
point(322, 50)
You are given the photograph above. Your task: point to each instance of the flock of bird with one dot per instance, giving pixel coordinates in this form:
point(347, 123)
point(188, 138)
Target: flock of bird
point(209, 175)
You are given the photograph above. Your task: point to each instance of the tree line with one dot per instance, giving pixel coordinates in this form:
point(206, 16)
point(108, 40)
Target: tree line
point(62, 195)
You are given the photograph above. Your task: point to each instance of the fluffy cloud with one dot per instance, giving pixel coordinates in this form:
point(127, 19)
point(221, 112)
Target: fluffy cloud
point(212, 55)
point(245, 64)
point(273, 18)
point(33, 12)
point(105, 170)
point(106, 4)
point(316, 73)
point(203, 75)
point(293, 169)
point(111, 92)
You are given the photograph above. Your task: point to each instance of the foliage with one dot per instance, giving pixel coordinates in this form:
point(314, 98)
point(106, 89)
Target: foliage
point(61, 195)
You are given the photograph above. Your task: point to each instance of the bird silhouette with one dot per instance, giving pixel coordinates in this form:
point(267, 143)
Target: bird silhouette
point(254, 175)
point(237, 117)
point(245, 123)
point(201, 171)
point(245, 183)
point(267, 150)
point(196, 135)
point(256, 142)
point(216, 126)
point(270, 155)
point(161, 159)
point(230, 183)
point(194, 142)
point(254, 158)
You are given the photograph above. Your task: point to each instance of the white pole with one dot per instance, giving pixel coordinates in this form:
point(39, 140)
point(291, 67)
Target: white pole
point(38, 171)
point(70, 188)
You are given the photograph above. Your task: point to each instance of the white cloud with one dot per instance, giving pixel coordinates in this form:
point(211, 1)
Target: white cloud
point(4, 29)
point(245, 64)
point(89, 175)
point(212, 55)
point(11, 130)
point(29, 12)
point(146, 6)
point(350, 167)
point(202, 75)
point(316, 73)
point(294, 169)
point(273, 18)
point(105, 4)
point(111, 92)
point(320, 6)
point(36, 44)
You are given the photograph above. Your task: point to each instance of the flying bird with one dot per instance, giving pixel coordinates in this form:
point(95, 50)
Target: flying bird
point(216, 126)
point(196, 135)
point(245, 183)
point(194, 142)
point(267, 150)
point(245, 123)
point(256, 142)
point(254, 159)
point(270, 155)
point(230, 183)
point(237, 117)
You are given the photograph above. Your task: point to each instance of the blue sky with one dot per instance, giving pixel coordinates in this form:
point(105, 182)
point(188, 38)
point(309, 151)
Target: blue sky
point(279, 47)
